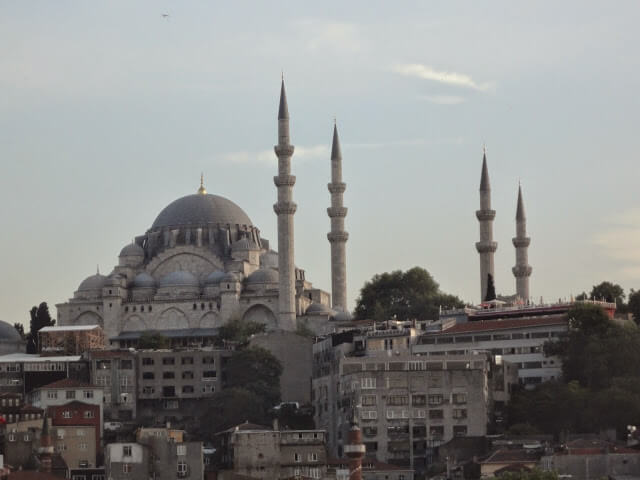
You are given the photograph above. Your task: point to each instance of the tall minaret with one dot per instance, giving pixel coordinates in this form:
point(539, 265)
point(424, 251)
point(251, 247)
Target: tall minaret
point(522, 270)
point(337, 236)
point(486, 246)
point(285, 208)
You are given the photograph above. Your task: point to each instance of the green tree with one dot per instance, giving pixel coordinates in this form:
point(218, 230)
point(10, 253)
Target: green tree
point(257, 371)
point(634, 304)
point(491, 289)
point(20, 329)
point(39, 318)
point(608, 291)
point(413, 294)
point(239, 331)
point(153, 340)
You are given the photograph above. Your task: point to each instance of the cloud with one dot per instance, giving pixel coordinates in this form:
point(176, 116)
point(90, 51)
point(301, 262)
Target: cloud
point(268, 157)
point(338, 36)
point(620, 240)
point(449, 78)
point(443, 99)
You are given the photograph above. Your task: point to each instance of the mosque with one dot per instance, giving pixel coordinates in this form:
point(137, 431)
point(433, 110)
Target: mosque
point(203, 262)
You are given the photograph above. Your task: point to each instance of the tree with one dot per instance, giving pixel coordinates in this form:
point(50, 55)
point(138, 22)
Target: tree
point(608, 291)
point(491, 289)
point(40, 318)
point(634, 304)
point(257, 371)
point(238, 330)
point(153, 340)
point(20, 329)
point(413, 294)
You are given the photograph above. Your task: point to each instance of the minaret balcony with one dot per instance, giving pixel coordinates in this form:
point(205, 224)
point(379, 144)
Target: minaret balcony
point(287, 208)
point(284, 180)
point(520, 242)
point(334, 212)
point(522, 271)
point(337, 187)
point(486, 247)
point(484, 215)
point(284, 150)
point(337, 237)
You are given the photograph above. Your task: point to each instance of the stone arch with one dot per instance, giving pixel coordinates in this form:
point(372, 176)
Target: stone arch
point(261, 314)
point(210, 320)
point(134, 323)
point(171, 319)
point(89, 318)
point(188, 258)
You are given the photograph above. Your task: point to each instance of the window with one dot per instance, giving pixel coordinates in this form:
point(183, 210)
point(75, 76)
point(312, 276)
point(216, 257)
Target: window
point(369, 400)
point(88, 414)
point(181, 450)
point(87, 394)
point(147, 361)
point(436, 432)
point(126, 364)
point(209, 375)
point(148, 390)
point(459, 398)
point(171, 404)
point(297, 457)
point(436, 414)
point(368, 415)
point(148, 376)
point(126, 468)
point(71, 394)
point(187, 375)
point(459, 413)
point(459, 430)
point(367, 382)
point(168, 375)
point(126, 450)
point(182, 468)
point(397, 400)
point(66, 414)
point(61, 447)
point(208, 360)
point(51, 394)
point(168, 361)
point(60, 434)
point(79, 433)
point(312, 457)
point(12, 437)
point(187, 389)
point(26, 438)
point(435, 399)
point(82, 446)
point(187, 360)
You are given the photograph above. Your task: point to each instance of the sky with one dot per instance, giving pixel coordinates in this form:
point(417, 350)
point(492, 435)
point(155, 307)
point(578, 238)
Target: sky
point(110, 111)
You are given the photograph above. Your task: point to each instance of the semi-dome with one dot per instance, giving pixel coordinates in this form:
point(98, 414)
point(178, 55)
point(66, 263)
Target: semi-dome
point(94, 282)
point(201, 209)
point(144, 280)
point(230, 277)
point(244, 244)
point(179, 278)
point(269, 259)
point(264, 275)
point(319, 309)
point(214, 278)
point(8, 333)
point(132, 250)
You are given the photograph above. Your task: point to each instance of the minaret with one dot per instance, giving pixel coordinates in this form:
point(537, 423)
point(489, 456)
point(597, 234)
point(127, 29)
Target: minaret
point(285, 208)
point(486, 246)
point(522, 270)
point(337, 236)
point(45, 451)
point(355, 451)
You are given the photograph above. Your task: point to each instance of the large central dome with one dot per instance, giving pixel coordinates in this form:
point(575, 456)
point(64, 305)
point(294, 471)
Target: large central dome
point(201, 209)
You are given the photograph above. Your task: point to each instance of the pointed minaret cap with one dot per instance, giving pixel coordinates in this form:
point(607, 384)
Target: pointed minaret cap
point(336, 154)
point(520, 209)
point(283, 111)
point(484, 180)
point(45, 425)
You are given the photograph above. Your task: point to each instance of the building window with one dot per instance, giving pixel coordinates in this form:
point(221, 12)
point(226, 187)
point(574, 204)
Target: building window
point(168, 361)
point(66, 414)
point(297, 457)
point(436, 414)
point(126, 468)
point(181, 450)
point(208, 360)
point(88, 414)
point(61, 447)
point(126, 450)
point(148, 376)
point(147, 361)
point(88, 394)
point(459, 398)
point(12, 437)
point(459, 430)
point(397, 400)
point(168, 375)
point(126, 364)
point(313, 457)
point(369, 414)
point(79, 433)
point(82, 446)
point(369, 400)
point(71, 394)
point(209, 374)
point(187, 389)
point(187, 375)
point(435, 399)
point(50, 394)
point(182, 468)
point(187, 360)
point(367, 382)
point(459, 413)
point(148, 390)
point(60, 433)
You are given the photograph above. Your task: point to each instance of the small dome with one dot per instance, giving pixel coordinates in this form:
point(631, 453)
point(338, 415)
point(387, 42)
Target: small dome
point(230, 277)
point(8, 333)
point(94, 282)
point(144, 280)
point(269, 259)
point(179, 278)
point(132, 250)
point(244, 244)
point(319, 309)
point(214, 278)
point(264, 275)
point(342, 317)
point(114, 279)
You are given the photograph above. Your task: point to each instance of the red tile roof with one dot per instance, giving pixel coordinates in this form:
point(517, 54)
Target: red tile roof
point(491, 325)
point(67, 383)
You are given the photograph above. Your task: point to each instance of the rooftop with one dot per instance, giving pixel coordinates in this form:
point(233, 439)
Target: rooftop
point(69, 328)
point(493, 325)
point(67, 383)
point(175, 333)
point(28, 357)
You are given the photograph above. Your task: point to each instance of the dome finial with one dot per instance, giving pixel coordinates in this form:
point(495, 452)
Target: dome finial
point(202, 190)
point(97, 269)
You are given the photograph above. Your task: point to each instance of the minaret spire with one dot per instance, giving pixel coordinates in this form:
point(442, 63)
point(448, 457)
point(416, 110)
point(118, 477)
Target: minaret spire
point(285, 208)
point(202, 190)
point(337, 236)
point(522, 269)
point(486, 246)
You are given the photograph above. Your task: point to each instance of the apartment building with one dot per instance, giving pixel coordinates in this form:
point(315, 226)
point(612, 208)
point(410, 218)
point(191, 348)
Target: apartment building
point(22, 372)
point(115, 371)
point(172, 384)
point(76, 427)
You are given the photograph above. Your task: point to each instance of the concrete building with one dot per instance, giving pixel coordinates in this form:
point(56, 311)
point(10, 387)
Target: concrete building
point(261, 452)
point(77, 428)
point(126, 461)
point(171, 385)
point(371, 470)
point(62, 392)
point(71, 340)
point(115, 371)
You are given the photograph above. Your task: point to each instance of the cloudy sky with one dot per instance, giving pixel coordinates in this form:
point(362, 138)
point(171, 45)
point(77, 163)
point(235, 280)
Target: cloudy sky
point(109, 112)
